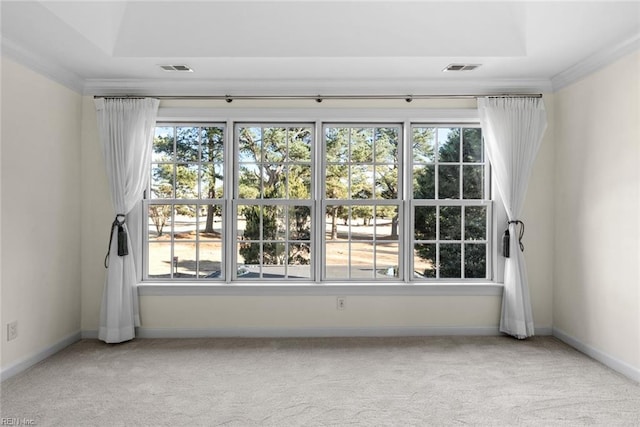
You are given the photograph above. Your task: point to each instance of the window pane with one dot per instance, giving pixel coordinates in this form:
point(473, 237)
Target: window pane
point(387, 260)
point(248, 265)
point(337, 222)
point(274, 258)
point(159, 260)
point(210, 222)
point(362, 260)
point(300, 223)
point(450, 223)
point(337, 260)
point(386, 222)
point(211, 259)
point(425, 223)
point(274, 181)
point(299, 260)
point(337, 144)
point(184, 226)
point(475, 261)
point(249, 181)
point(273, 223)
point(424, 256)
point(423, 145)
point(162, 181)
point(386, 182)
point(386, 145)
point(248, 222)
point(300, 144)
point(449, 145)
point(184, 260)
point(472, 147)
point(337, 182)
point(250, 144)
point(299, 182)
point(450, 260)
point(274, 144)
point(473, 182)
point(362, 145)
point(187, 144)
point(475, 223)
point(360, 222)
point(361, 182)
point(448, 182)
point(211, 181)
point(186, 181)
point(159, 222)
point(424, 182)
point(212, 144)
point(162, 145)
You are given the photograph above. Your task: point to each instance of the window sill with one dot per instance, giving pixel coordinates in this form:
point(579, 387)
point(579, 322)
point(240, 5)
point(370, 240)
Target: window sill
point(326, 289)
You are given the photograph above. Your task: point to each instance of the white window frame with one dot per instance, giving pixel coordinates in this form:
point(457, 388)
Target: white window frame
point(398, 201)
point(319, 116)
point(148, 201)
point(486, 201)
point(237, 201)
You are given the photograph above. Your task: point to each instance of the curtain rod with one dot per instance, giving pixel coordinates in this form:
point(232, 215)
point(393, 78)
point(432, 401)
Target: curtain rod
point(320, 98)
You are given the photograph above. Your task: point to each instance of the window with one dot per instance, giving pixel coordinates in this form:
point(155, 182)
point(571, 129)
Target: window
point(184, 204)
point(362, 202)
point(450, 203)
point(273, 209)
point(318, 202)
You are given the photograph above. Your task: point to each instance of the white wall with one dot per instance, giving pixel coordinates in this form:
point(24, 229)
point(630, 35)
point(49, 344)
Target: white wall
point(312, 312)
point(597, 276)
point(40, 212)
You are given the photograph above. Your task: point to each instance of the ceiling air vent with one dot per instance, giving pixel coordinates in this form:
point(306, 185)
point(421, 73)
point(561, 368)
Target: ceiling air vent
point(180, 68)
point(461, 67)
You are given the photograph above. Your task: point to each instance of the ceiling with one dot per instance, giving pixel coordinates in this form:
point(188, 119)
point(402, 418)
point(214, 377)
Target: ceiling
point(262, 47)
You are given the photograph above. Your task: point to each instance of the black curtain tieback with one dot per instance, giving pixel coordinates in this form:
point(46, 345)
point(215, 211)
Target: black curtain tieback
point(122, 238)
point(506, 238)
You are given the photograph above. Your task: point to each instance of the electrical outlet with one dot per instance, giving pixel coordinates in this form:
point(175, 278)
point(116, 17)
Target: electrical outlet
point(341, 303)
point(12, 330)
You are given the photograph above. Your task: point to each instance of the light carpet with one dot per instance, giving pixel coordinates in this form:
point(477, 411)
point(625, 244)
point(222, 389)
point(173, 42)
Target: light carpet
point(484, 381)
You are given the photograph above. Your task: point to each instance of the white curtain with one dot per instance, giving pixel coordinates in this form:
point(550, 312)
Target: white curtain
point(513, 130)
point(126, 131)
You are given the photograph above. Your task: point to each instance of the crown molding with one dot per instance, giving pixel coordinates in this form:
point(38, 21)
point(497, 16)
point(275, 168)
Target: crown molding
point(42, 65)
point(595, 62)
point(238, 87)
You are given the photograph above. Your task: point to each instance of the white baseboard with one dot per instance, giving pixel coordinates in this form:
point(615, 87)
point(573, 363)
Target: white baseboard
point(26, 363)
point(271, 332)
point(89, 335)
point(602, 357)
point(544, 331)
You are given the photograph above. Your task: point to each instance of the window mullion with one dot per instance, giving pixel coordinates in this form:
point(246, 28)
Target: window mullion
point(406, 160)
point(318, 192)
point(462, 236)
point(230, 233)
